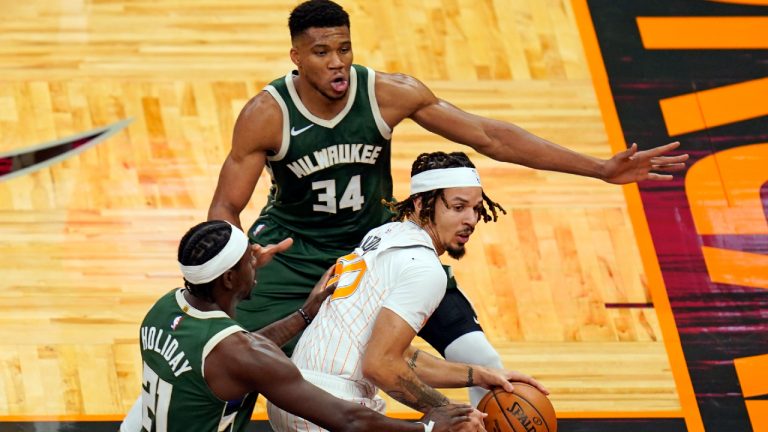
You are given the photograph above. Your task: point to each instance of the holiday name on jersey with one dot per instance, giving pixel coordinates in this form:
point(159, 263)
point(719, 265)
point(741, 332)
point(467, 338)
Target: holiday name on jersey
point(153, 339)
point(332, 155)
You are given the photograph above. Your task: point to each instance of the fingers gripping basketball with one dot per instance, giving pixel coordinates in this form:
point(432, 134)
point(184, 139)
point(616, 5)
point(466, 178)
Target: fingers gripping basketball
point(525, 410)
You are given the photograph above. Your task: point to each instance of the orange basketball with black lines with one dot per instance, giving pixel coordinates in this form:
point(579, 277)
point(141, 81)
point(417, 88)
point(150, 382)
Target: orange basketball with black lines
point(525, 410)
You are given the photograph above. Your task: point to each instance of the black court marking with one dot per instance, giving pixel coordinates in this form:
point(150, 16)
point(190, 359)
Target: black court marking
point(29, 159)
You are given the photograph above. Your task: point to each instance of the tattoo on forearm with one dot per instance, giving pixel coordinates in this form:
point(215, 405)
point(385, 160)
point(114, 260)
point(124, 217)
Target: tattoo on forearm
point(470, 378)
point(417, 395)
point(412, 361)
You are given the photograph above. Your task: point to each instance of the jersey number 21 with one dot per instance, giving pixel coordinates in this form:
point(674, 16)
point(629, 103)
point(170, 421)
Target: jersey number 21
point(155, 398)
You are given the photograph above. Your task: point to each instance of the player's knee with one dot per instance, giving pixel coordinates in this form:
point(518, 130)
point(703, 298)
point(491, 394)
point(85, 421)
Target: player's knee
point(473, 348)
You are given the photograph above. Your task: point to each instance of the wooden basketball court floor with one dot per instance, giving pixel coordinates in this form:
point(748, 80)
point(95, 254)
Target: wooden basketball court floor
point(89, 243)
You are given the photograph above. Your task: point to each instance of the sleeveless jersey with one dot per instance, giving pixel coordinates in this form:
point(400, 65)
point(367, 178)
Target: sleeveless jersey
point(175, 338)
point(329, 177)
point(379, 273)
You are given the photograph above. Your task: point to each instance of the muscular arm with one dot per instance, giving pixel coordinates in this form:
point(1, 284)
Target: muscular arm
point(280, 332)
point(437, 372)
point(384, 364)
point(243, 363)
point(258, 130)
point(401, 96)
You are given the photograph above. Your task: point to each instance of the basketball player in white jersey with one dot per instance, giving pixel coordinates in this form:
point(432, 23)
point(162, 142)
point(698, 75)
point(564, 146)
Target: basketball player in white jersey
point(360, 341)
point(209, 371)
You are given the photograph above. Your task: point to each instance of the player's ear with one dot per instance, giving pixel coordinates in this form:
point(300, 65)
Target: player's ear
point(295, 56)
point(417, 204)
point(227, 279)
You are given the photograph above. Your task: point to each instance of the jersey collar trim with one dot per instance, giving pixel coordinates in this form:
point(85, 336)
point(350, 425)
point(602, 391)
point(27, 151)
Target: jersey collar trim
point(196, 313)
point(384, 128)
point(313, 118)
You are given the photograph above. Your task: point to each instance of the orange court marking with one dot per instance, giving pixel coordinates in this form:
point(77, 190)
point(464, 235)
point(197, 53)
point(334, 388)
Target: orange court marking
point(697, 111)
point(752, 376)
point(639, 223)
point(745, 2)
point(723, 191)
point(662, 33)
point(736, 267)
point(758, 414)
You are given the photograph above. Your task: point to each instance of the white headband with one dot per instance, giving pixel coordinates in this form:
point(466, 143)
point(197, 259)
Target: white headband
point(223, 261)
point(444, 178)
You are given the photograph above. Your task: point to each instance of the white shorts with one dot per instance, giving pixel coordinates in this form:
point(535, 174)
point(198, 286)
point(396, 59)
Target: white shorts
point(283, 421)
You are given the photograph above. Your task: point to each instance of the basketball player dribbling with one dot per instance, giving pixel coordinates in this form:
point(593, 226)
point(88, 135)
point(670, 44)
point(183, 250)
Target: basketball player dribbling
point(201, 371)
point(323, 132)
point(360, 340)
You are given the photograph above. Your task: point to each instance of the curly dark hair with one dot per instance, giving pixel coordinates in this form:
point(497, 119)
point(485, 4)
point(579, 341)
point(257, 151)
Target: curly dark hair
point(201, 243)
point(429, 161)
point(316, 13)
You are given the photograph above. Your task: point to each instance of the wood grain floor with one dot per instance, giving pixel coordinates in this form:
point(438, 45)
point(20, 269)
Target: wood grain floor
point(89, 243)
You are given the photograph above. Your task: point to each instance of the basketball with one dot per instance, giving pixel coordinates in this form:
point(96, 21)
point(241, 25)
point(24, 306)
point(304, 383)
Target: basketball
point(525, 410)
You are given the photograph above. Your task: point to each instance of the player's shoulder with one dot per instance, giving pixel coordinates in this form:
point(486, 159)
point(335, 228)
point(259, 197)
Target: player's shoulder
point(262, 106)
point(402, 91)
point(397, 81)
point(402, 235)
point(259, 125)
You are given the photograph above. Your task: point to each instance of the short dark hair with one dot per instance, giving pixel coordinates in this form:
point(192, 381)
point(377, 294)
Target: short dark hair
point(201, 243)
point(436, 160)
point(316, 13)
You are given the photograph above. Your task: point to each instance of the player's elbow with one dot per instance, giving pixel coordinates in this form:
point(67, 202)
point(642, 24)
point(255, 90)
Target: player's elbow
point(488, 145)
point(220, 209)
point(375, 369)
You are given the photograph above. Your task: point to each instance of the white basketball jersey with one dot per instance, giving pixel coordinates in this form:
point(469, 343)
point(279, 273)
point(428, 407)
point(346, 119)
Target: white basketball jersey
point(395, 266)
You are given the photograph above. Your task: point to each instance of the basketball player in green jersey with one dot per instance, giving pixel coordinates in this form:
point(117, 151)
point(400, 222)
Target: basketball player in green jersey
point(323, 132)
point(203, 372)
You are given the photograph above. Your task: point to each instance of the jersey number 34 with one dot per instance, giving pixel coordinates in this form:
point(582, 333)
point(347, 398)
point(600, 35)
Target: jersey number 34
point(351, 198)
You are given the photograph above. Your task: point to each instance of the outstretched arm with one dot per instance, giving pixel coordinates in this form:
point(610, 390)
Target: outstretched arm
point(402, 96)
point(438, 372)
point(257, 131)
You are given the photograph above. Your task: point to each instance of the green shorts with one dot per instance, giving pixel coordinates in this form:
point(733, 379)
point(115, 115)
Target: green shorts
point(283, 285)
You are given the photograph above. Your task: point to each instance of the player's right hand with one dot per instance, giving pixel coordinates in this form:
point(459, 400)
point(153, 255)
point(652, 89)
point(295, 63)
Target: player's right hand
point(491, 377)
point(455, 418)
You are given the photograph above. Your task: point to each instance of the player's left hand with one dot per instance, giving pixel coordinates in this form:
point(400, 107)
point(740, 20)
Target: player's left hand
point(264, 254)
point(491, 377)
point(632, 166)
point(454, 418)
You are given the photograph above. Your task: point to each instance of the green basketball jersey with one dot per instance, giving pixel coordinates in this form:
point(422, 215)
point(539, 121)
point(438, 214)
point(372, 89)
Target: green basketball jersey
point(174, 340)
point(330, 176)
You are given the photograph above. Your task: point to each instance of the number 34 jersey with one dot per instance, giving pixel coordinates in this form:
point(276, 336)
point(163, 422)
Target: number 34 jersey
point(329, 177)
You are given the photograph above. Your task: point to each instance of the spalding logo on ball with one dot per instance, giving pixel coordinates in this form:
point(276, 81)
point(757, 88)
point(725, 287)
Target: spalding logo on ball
point(525, 410)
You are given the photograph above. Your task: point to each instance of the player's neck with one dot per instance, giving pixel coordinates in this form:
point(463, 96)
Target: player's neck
point(430, 230)
point(202, 304)
point(316, 102)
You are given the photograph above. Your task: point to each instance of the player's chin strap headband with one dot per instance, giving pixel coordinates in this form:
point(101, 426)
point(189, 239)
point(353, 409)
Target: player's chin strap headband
point(223, 261)
point(444, 178)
